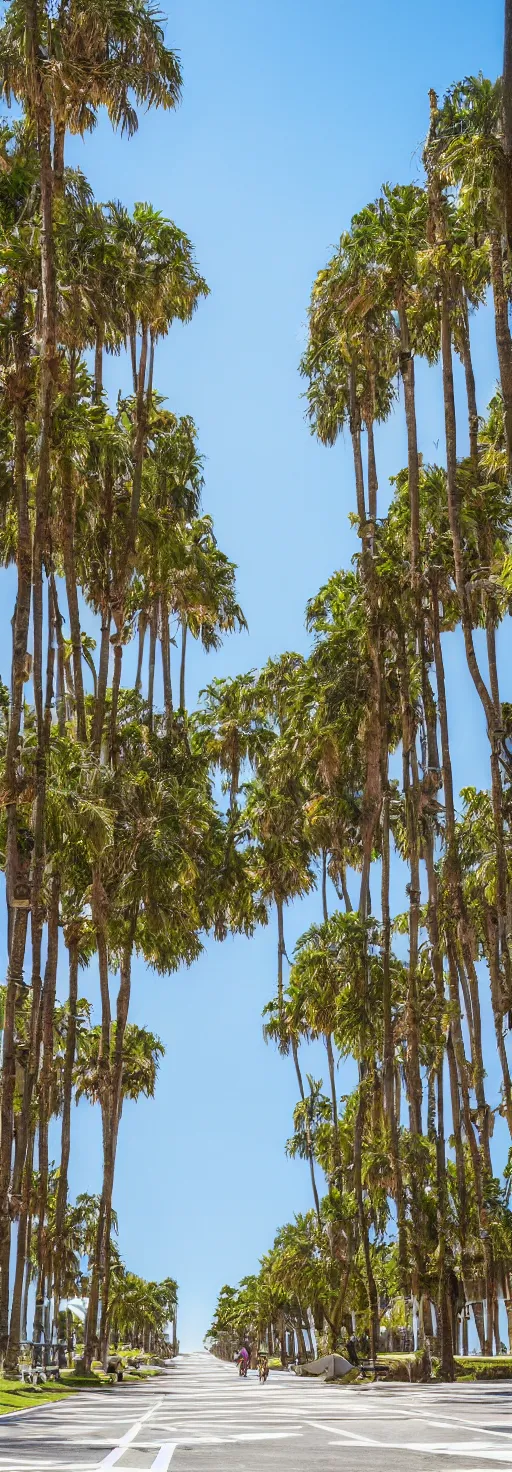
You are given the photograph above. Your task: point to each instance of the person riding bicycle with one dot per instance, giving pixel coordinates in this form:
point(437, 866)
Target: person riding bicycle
point(263, 1364)
point(242, 1360)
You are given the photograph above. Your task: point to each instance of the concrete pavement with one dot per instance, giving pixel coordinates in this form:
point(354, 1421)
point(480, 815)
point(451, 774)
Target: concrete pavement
point(201, 1417)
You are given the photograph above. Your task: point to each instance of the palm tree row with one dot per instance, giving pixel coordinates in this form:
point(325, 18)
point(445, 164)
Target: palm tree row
point(140, 1312)
point(112, 841)
point(352, 774)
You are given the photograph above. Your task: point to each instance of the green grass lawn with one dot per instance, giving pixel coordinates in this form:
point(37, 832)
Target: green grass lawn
point(17, 1396)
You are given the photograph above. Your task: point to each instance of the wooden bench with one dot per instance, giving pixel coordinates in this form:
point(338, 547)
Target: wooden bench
point(372, 1367)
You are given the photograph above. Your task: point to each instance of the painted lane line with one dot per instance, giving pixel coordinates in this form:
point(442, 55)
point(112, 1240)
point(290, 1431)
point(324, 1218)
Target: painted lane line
point(448, 1422)
point(264, 1435)
point(456, 1449)
point(230, 1440)
point(163, 1457)
point(126, 1440)
point(467, 1425)
point(351, 1435)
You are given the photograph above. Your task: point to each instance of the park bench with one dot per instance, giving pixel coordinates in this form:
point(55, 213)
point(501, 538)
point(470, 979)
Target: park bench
point(38, 1374)
point(375, 1368)
point(46, 1362)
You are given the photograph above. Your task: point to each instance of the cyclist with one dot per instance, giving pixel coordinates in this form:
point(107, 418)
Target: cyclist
point(242, 1360)
point(263, 1365)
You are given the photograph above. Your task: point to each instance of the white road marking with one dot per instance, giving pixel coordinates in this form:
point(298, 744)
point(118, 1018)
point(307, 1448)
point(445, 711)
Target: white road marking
point(445, 1449)
point(163, 1457)
point(449, 1421)
point(126, 1440)
point(351, 1435)
point(238, 1436)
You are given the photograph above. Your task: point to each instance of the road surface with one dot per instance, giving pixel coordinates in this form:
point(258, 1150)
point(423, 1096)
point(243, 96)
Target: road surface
point(200, 1417)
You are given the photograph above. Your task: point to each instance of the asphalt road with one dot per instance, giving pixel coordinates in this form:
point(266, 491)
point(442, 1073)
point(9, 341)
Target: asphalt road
point(200, 1417)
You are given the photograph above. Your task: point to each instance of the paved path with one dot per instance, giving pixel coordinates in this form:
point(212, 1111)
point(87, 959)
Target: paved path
point(201, 1417)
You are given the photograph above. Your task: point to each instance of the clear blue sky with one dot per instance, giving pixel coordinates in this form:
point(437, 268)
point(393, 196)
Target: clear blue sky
point(293, 114)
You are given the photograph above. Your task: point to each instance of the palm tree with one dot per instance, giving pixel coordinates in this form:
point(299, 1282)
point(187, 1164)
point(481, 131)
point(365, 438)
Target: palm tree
point(281, 860)
point(140, 1057)
point(233, 729)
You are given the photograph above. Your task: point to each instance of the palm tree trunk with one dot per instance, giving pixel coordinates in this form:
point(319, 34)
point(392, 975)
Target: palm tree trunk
point(47, 1008)
point(184, 628)
point(373, 484)
point(497, 803)
point(8, 1079)
point(324, 886)
point(67, 530)
point(142, 396)
point(388, 1049)
point(99, 709)
point(111, 1128)
point(281, 952)
point(30, 1079)
point(98, 368)
point(447, 1364)
point(16, 1329)
point(42, 488)
point(411, 794)
point(67, 1091)
point(478, 1315)
point(355, 431)
point(407, 372)
point(21, 619)
point(99, 916)
point(373, 1300)
point(447, 1361)
point(311, 1158)
point(467, 361)
point(480, 1159)
point(387, 1046)
point(151, 667)
point(166, 655)
point(508, 1306)
point(502, 330)
point(26, 1286)
point(334, 1106)
point(116, 686)
point(142, 626)
point(60, 693)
